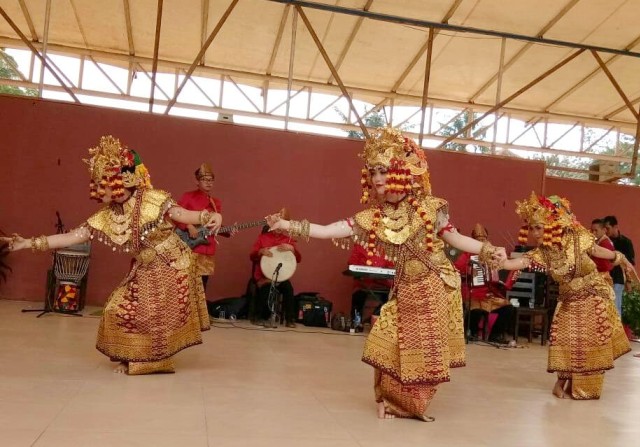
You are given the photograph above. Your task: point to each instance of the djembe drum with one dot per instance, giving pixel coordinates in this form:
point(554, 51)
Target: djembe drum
point(70, 266)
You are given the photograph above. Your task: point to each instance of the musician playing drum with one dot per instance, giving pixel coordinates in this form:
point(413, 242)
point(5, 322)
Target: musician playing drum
point(198, 200)
point(271, 244)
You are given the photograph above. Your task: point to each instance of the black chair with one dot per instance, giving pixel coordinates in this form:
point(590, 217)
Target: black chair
point(528, 314)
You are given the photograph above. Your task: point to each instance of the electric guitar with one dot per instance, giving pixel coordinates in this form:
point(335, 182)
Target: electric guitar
point(204, 232)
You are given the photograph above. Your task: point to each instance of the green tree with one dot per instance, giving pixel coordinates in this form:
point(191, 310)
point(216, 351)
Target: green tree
point(372, 120)
point(455, 126)
point(9, 70)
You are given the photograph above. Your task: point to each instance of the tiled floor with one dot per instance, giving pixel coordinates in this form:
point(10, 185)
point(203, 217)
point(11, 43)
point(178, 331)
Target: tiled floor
point(246, 387)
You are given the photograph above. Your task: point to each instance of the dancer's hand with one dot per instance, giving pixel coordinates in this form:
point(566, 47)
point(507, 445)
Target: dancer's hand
point(15, 242)
point(276, 222)
point(215, 222)
point(500, 255)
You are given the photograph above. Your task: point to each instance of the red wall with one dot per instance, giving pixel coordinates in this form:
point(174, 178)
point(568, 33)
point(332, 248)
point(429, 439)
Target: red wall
point(592, 200)
point(257, 172)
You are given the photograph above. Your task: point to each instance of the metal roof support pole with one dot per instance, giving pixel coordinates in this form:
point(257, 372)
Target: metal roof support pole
point(615, 83)
point(403, 122)
point(528, 127)
point(200, 55)
point(27, 17)
point(309, 92)
point(127, 20)
point(221, 93)
point(453, 28)
point(391, 107)
point(325, 56)
point(590, 76)
point(292, 56)
point(425, 86)
point(149, 76)
point(204, 24)
point(634, 156)
point(156, 47)
point(244, 94)
point(350, 40)
point(544, 75)
point(274, 53)
point(582, 133)
point(111, 81)
point(599, 139)
point(81, 72)
point(525, 48)
point(326, 107)
point(45, 40)
point(455, 117)
point(620, 109)
point(193, 81)
point(422, 49)
point(503, 45)
point(564, 134)
point(36, 53)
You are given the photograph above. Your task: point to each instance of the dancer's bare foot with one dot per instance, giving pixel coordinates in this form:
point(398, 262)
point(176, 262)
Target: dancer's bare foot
point(558, 388)
point(636, 355)
point(382, 412)
point(122, 368)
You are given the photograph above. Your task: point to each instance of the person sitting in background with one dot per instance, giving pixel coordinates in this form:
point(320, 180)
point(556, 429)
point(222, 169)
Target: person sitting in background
point(266, 241)
point(364, 288)
point(604, 266)
point(485, 298)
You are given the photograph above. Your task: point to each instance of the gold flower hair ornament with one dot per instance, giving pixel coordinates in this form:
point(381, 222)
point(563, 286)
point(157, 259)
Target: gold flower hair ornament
point(404, 160)
point(113, 165)
point(553, 213)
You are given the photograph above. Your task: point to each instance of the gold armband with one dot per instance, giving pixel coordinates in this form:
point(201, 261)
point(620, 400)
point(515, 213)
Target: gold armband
point(299, 228)
point(205, 217)
point(39, 243)
point(618, 258)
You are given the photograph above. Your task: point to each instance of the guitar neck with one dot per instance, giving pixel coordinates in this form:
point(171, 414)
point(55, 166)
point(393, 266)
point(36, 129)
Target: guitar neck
point(242, 226)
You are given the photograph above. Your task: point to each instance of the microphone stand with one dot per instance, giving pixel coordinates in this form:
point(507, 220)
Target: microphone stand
point(469, 282)
point(272, 299)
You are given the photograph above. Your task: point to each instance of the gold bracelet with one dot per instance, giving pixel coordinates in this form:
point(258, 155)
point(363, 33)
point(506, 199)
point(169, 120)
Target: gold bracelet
point(205, 217)
point(39, 243)
point(299, 229)
point(306, 230)
point(618, 258)
point(486, 253)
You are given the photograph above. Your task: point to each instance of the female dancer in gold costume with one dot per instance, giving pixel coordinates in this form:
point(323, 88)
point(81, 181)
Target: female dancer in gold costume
point(159, 308)
point(586, 332)
point(419, 335)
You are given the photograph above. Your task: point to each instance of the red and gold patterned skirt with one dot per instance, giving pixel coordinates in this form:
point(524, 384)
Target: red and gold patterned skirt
point(156, 312)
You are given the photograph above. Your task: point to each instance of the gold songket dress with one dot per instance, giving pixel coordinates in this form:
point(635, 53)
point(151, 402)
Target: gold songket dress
point(419, 335)
point(586, 332)
point(159, 308)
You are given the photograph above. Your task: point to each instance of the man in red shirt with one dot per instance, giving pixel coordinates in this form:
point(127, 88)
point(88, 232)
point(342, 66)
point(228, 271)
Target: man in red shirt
point(198, 200)
point(282, 242)
point(604, 265)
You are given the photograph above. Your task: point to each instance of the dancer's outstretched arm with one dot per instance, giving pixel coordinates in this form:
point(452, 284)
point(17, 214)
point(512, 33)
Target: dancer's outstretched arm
point(43, 243)
point(335, 230)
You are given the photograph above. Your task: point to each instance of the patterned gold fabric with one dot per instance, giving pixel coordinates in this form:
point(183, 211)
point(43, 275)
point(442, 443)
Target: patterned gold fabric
point(159, 308)
point(584, 386)
point(586, 331)
point(205, 264)
point(419, 335)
